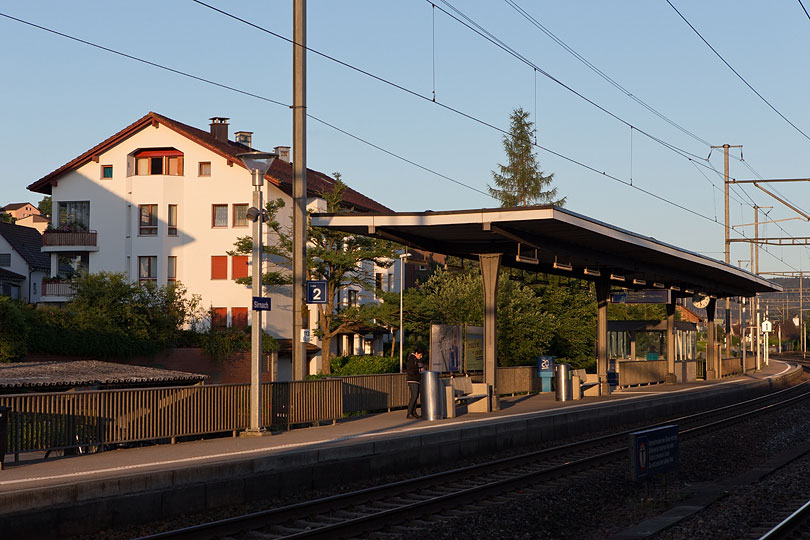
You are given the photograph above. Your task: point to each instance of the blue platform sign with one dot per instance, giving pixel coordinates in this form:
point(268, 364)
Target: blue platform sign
point(545, 370)
point(261, 303)
point(545, 365)
point(316, 292)
point(653, 451)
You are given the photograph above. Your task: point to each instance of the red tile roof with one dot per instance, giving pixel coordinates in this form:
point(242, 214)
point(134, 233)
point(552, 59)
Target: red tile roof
point(280, 172)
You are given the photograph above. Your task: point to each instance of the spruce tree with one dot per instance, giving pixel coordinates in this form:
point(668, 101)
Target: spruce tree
point(521, 182)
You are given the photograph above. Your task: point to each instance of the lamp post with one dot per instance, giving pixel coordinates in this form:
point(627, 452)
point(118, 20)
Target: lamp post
point(402, 258)
point(257, 163)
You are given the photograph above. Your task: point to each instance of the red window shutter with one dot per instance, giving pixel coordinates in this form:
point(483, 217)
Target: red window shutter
point(239, 266)
point(219, 317)
point(239, 317)
point(219, 267)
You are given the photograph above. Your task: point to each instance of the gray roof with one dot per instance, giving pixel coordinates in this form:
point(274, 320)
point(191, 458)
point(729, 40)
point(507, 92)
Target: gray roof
point(27, 241)
point(71, 374)
point(566, 243)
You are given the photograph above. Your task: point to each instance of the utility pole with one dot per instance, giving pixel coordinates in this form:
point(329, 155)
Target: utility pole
point(299, 210)
point(727, 228)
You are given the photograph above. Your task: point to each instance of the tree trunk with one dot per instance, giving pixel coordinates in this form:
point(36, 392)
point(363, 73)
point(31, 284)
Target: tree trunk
point(326, 355)
point(393, 345)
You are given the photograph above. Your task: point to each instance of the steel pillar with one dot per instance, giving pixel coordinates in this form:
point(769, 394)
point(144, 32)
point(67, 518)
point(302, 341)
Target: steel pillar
point(602, 291)
point(711, 363)
point(490, 264)
point(671, 378)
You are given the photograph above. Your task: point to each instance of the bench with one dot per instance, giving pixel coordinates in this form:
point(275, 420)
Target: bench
point(461, 392)
point(588, 383)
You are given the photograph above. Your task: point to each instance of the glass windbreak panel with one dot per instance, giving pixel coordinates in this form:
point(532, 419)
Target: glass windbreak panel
point(74, 215)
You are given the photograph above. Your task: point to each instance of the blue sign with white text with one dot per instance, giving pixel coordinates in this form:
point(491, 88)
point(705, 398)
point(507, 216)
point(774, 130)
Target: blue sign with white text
point(316, 292)
point(653, 451)
point(261, 303)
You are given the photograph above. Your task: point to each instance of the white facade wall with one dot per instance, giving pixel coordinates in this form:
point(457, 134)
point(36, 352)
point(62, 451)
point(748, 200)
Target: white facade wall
point(114, 213)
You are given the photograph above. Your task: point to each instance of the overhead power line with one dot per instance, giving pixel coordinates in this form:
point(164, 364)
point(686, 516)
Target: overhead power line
point(360, 139)
point(533, 20)
point(720, 56)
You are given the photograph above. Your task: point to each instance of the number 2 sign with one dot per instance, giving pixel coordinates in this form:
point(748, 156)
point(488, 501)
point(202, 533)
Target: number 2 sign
point(316, 292)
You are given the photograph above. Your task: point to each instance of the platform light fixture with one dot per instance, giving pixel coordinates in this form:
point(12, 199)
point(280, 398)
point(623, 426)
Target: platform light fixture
point(258, 164)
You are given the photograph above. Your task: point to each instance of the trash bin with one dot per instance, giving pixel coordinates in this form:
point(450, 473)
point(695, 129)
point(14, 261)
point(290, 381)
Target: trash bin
point(4, 412)
point(562, 382)
point(432, 392)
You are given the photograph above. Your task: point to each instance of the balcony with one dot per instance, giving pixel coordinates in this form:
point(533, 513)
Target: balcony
point(57, 290)
point(56, 240)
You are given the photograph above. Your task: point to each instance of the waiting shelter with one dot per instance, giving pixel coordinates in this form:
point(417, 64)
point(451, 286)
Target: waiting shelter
point(560, 242)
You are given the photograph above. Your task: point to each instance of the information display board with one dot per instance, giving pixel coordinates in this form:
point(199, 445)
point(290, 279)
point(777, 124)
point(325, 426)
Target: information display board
point(653, 451)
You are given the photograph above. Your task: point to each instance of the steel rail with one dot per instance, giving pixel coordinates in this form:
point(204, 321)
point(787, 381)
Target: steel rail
point(502, 477)
point(794, 523)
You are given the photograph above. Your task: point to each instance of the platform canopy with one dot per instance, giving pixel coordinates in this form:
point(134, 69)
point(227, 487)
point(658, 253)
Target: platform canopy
point(556, 241)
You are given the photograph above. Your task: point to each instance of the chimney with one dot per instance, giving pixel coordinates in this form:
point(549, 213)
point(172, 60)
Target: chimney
point(283, 153)
point(244, 137)
point(219, 128)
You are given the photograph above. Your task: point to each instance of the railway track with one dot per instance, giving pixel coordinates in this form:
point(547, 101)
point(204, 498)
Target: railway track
point(375, 510)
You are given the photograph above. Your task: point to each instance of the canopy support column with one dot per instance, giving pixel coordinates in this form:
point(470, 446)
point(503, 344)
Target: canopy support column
point(490, 264)
point(671, 336)
point(711, 361)
point(602, 292)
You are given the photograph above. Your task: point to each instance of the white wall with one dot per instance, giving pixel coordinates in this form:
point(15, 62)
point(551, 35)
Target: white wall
point(114, 214)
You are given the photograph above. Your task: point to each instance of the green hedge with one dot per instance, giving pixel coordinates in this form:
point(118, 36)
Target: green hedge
point(364, 365)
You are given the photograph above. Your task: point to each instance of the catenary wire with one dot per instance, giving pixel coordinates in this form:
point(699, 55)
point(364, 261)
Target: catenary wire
point(207, 81)
point(754, 90)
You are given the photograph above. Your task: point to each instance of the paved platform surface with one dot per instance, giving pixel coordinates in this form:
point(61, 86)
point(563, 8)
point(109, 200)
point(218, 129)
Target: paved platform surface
point(34, 473)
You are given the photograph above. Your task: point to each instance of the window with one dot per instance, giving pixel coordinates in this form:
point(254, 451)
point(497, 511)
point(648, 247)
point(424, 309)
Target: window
point(378, 280)
point(240, 215)
point(171, 268)
point(219, 267)
point(159, 161)
point(205, 168)
point(106, 171)
point(239, 266)
point(390, 282)
point(172, 220)
point(74, 215)
point(239, 317)
point(148, 220)
point(219, 215)
point(219, 317)
point(5, 259)
point(352, 298)
point(147, 268)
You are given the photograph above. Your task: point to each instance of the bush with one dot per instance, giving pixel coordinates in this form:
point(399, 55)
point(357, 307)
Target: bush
point(222, 343)
point(14, 330)
point(364, 365)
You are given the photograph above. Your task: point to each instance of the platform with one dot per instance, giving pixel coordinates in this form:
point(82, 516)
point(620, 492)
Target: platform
point(66, 494)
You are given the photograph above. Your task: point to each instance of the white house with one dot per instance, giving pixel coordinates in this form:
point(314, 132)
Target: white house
point(22, 263)
point(163, 201)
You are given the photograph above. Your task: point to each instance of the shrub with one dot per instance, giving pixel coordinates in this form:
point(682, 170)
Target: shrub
point(222, 343)
point(13, 342)
point(364, 365)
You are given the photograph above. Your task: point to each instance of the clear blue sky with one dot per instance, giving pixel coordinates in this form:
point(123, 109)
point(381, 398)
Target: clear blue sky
point(61, 97)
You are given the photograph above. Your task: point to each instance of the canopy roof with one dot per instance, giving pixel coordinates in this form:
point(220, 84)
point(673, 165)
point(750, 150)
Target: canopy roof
point(556, 241)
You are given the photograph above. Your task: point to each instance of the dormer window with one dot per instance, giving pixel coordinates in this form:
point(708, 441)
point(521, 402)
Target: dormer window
point(167, 161)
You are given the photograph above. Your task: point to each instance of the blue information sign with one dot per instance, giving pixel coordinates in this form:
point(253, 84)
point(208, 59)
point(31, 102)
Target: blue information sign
point(653, 451)
point(316, 292)
point(261, 303)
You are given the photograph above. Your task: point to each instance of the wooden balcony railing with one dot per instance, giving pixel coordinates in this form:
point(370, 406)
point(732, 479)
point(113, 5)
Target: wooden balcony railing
point(74, 238)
